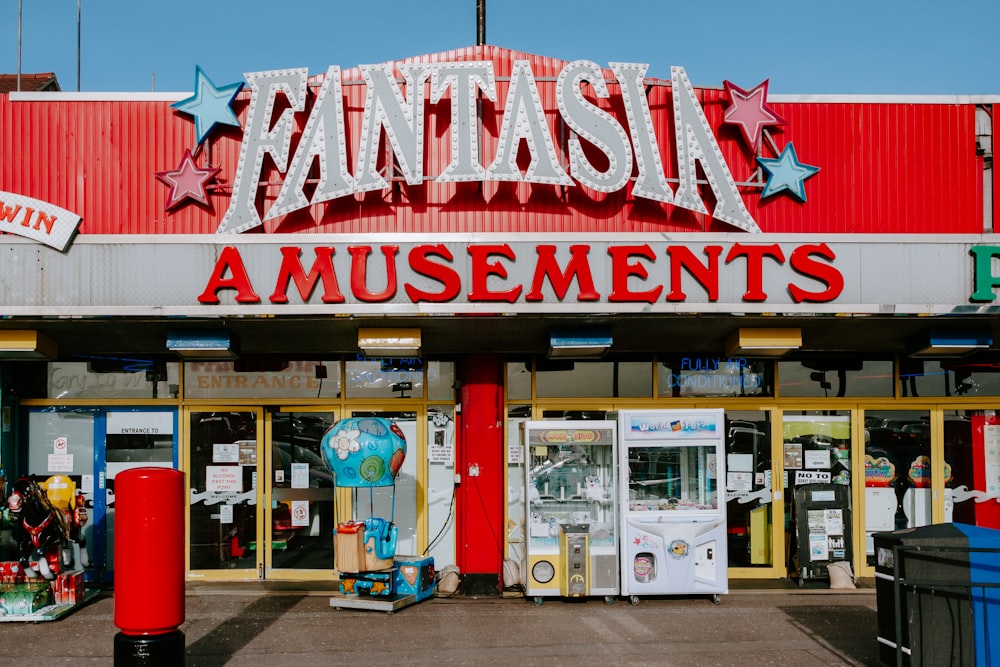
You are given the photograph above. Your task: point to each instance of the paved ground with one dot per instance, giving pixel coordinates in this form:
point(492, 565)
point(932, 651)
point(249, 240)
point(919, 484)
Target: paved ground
point(228, 626)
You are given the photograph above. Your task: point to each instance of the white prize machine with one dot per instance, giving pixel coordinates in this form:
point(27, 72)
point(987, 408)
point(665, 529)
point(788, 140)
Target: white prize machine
point(673, 521)
point(572, 520)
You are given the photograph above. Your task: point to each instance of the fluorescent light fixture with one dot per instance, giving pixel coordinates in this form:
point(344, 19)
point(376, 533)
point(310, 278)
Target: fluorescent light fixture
point(763, 342)
point(389, 342)
point(27, 344)
point(948, 343)
point(207, 344)
point(581, 343)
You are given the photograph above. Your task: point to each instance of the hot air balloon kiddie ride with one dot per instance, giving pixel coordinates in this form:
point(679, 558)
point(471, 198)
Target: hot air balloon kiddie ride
point(365, 453)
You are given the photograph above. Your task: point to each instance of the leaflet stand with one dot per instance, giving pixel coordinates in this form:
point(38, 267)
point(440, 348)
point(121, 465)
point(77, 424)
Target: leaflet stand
point(823, 528)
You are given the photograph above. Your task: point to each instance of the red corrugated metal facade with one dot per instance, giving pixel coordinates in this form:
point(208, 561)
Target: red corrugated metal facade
point(884, 168)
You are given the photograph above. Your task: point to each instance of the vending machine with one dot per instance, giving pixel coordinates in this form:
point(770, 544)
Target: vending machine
point(571, 513)
point(673, 520)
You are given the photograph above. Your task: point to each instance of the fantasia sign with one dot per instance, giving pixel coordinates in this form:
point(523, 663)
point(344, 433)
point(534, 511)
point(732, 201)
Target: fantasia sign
point(398, 117)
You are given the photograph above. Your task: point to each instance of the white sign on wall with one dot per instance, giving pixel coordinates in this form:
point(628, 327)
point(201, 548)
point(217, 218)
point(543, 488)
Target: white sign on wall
point(140, 423)
point(812, 477)
point(60, 463)
point(880, 274)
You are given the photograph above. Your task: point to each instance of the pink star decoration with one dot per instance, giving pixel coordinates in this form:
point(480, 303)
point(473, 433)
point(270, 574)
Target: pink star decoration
point(748, 109)
point(188, 181)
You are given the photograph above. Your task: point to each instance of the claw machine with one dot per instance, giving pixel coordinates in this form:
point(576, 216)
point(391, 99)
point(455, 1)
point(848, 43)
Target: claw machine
point(571, 513)
point(673, 521)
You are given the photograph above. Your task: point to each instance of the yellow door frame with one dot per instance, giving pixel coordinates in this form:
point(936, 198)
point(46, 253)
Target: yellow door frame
point(270, 572)
point(222, 574)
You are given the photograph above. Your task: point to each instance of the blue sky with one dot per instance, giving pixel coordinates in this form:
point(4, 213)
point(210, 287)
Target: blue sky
point(913, 47)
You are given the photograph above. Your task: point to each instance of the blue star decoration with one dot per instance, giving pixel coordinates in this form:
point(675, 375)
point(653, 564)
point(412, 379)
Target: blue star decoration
point(210, 105)
point(786, 173)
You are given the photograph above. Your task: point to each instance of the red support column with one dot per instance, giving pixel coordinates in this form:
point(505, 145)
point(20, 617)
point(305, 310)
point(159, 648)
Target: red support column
point(479, 460)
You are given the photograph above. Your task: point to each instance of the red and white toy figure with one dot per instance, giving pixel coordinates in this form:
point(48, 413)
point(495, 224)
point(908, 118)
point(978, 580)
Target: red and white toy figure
point(39, 530)
point(46, 580)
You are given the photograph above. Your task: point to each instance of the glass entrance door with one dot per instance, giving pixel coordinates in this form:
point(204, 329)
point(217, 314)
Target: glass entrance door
point(300, 513)
point(62, 457)
point(261, 497)
point(752, 482)
point(898, 473)
point(225, 492)
point(817, 458)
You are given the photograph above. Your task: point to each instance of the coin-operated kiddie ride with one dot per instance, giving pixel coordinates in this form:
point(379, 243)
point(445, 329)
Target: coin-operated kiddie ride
point(366, 453)
point(45, 522)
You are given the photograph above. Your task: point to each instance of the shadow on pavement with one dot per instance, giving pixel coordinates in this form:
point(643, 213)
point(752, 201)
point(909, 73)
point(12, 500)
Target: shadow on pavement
point(850, 633)
point(218, 646)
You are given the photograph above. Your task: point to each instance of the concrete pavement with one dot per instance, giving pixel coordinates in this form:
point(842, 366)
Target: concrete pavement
point(230, 625)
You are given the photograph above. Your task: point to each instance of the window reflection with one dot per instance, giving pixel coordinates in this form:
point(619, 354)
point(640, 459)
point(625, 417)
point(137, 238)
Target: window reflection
point(519, 380)
point(835, 378)
point(593, 379)
point(385, 378)
point(441, 380)
point(260, 379)
point(112, 377)
point(958, 377)
point(897, 472)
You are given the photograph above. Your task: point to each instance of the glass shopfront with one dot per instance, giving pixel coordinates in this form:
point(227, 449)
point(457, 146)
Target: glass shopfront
point(88, 422)
point(263, 502)
point(906, 457)
point(913, 443)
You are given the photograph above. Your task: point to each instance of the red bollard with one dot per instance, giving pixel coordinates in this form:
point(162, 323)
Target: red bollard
point(149, 567)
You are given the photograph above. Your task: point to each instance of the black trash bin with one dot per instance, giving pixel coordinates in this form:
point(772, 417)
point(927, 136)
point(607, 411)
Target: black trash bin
point(946, 598)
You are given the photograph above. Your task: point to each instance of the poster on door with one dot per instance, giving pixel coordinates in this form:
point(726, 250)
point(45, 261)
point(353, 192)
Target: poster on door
point(60, 460)
point(300, 513)
point(224, 479)
point(826, 535)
